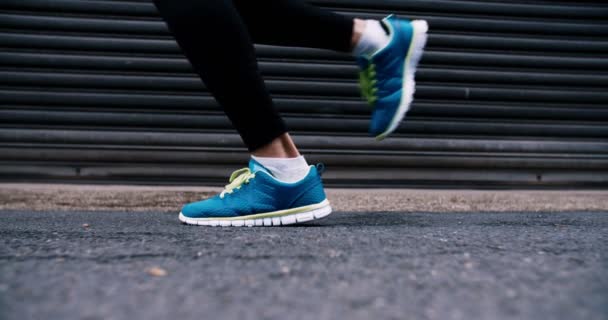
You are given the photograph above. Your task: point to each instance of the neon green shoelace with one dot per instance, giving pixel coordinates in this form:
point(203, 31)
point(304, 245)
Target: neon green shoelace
point(237, 179)
point(367, 81)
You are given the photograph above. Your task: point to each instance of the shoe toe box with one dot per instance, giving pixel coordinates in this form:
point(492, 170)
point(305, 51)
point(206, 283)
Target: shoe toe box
point(212, 207)
point(384, 112)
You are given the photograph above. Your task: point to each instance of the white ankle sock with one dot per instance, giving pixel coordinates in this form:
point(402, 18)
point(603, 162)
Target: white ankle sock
point(373, 38)
point(285, 169)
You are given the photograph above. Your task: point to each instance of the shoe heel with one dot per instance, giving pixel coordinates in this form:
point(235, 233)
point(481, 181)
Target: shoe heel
point(416, 49)
point(419, 38)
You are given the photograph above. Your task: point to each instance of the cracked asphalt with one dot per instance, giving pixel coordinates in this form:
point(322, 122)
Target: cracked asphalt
point(378, 265)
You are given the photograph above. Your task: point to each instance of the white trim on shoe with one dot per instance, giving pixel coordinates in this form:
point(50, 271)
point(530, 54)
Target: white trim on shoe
point(275, 218)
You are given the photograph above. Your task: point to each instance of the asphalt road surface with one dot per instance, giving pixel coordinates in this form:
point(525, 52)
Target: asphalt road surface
point(117, 265)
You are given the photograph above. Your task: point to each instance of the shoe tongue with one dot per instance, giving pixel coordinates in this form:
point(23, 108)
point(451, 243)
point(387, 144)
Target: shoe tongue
point(255, 166)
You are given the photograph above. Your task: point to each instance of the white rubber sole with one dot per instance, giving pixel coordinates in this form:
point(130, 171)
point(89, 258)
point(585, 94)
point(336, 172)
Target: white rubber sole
point(268, 219)
point(410, 63)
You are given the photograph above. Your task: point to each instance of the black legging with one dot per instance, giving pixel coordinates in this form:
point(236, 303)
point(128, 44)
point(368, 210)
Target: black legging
point(216, 36)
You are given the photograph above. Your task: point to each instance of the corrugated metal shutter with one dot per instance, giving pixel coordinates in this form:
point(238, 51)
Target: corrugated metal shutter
point(509, 93)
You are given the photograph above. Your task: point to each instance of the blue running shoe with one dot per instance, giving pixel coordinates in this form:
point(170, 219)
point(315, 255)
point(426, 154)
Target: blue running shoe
point(387, 76)
point(255, 198)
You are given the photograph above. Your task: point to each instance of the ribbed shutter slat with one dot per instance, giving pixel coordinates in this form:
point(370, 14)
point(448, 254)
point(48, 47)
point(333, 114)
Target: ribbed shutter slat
point(510, 93)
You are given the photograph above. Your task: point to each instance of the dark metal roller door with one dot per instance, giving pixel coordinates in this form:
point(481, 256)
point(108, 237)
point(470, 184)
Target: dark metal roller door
point(510, 93)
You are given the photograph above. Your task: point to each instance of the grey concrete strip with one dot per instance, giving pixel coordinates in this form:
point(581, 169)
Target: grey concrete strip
point(121, 265)
point(170, 199)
